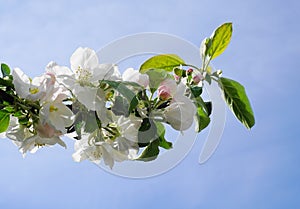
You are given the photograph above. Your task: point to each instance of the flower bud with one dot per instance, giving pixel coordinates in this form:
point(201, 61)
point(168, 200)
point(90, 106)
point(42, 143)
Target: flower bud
point(197, 78)
point(167, 89)
point(164, 92)
point(189, 71)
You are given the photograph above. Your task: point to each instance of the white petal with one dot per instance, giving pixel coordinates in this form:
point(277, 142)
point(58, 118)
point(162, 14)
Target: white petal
point(85, 58)
point(107, 155)
point(135, 76)
point(105, 72)
point(57, 70)
point(180, 114)
point(21, 83)
point(88, 97)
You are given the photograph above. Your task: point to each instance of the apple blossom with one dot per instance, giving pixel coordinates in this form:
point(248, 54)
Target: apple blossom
point(27, 141)
point(86, 74)
point(98, 145)
point(167, 89)
point(181, 111)
point(57, 113)
point(32, 89)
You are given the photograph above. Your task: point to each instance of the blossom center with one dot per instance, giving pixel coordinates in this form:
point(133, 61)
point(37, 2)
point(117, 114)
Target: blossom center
point(52, 108)
point(84, 76)
point(34, 90)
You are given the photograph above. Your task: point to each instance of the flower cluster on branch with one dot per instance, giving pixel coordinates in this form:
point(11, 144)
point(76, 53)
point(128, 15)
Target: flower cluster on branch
point(112, 116)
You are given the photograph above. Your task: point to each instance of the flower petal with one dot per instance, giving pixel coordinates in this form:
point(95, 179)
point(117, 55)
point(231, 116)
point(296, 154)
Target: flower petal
point(21, 82)
point(84, 58)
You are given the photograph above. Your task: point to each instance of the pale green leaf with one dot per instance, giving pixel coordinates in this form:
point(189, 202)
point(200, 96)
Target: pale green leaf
point(219, 40)
point(166, 62)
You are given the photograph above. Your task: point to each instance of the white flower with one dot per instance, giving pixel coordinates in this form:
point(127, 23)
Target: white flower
point(180, 114)
point(97, 145)
point(26, 141)
point(87, 72)
point(135, 76)
point(32, 89)
point(56, 113)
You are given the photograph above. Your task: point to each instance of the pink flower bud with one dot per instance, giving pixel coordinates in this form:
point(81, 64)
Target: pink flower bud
point(167, 89)
point(176, 77)
point(197, 78)
point(164, 92)
point(189, 71)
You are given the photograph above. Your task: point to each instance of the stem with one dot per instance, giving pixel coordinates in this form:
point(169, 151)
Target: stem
point(193, 66)
point(150, 99)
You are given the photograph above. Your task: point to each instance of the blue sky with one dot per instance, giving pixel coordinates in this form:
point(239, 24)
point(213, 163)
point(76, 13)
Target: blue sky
point(251, 169)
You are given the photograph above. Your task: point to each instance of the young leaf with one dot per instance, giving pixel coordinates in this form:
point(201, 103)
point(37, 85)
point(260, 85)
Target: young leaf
point(219, 40)
point(5, 70)
point(179, 72)
point(237, 100)
point(166, 62)
point(203, 119)
point(161, 136)
point(151, 152)
point(205, 44)
point(125, 91)
point(4, 121)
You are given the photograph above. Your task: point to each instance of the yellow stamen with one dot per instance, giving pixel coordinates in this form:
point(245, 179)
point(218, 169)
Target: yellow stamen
point(52, 108)
point(34, 91)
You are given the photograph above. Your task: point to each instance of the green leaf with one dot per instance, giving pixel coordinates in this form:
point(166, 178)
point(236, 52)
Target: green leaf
point(156, 76)
point(151, 152)
point(218, 42)
point(6, 83)
point(9, 109)
point(5, 70)
point(237, 100)
point(147, 132)
point(161, 136)
point(203, 119)
point(23, 120)
point(208, 106)
point(4, 96)
point(90, 124)
point(133, 84)
point(180, 72)
point(18, 114)
point(125, 91)
point(4, 121)
point(166, 62)
point(196, 91)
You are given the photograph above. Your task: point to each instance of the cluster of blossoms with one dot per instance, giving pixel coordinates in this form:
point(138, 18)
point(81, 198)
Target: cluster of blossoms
point(89, 102)
point(112, 116)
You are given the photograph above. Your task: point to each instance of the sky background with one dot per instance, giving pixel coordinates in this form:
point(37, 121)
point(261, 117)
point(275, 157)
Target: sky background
point(250, 169)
